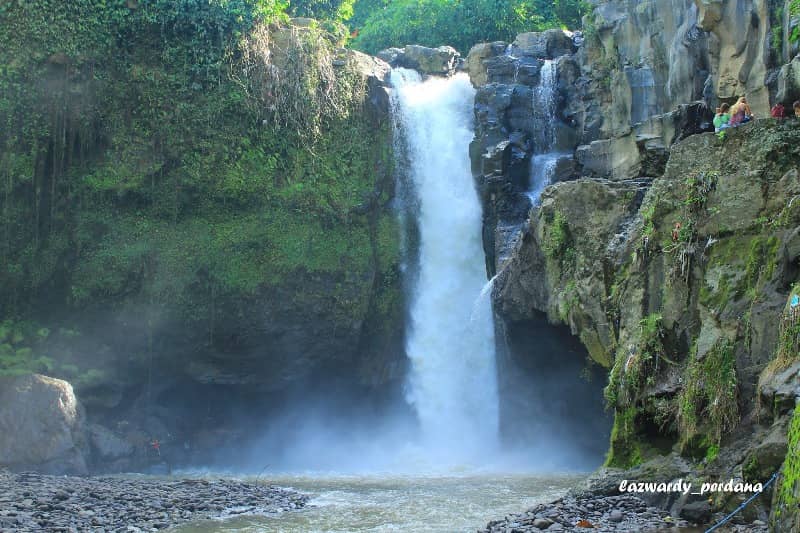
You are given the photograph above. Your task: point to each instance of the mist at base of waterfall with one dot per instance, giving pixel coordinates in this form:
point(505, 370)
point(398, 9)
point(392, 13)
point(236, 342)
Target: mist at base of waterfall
point(322, 432)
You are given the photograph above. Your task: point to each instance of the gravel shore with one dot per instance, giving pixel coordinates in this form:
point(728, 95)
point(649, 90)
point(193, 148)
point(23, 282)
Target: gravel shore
point(601, 514)
point(35, 502)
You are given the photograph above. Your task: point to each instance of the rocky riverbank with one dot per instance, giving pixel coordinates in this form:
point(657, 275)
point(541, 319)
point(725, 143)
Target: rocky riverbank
point(601, 514)
point(35, 502)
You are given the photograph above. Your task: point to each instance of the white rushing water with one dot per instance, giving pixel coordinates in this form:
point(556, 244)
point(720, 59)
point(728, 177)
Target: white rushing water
point(543, 169)
point(453, 379)
point(544, 107)
point(543, 164)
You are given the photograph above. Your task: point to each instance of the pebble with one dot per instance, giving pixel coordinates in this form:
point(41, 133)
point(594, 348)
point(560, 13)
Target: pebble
point(601, 514)
point(598, 514)
point(121, 504)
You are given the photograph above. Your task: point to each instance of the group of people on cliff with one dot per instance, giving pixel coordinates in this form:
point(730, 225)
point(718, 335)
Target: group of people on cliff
point(740, 113)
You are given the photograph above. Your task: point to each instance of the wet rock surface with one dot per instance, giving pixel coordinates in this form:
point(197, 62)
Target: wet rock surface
point(601, 514)
point(36, 502)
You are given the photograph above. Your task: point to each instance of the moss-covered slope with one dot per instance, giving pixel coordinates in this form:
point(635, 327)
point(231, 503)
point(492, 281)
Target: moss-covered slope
point(682, 292)
point(182, 183)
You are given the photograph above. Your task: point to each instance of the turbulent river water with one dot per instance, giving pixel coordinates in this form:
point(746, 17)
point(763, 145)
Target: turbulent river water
point(407, 503)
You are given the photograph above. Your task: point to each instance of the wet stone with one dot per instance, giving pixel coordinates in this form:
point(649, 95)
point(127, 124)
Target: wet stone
point(34, 502)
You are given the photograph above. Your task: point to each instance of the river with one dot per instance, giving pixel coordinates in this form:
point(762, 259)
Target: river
point(407, 503)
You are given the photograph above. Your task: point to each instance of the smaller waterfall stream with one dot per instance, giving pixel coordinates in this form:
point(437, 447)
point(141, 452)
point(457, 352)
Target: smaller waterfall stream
point(545, 159)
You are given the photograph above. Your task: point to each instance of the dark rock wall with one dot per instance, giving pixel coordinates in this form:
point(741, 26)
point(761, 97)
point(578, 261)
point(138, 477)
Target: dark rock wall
point(670, 255)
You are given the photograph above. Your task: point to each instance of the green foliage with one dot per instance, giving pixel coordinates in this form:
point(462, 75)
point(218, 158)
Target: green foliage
point(625, 449)
point(788, 489)
point(570, 299)
point(787, 350)
point(290, 80)
point(647, 218)
point(338, 10)
point(698, 187)
point(762, 260)
point(776, 38)
point(708, 402)
point(149, 163)
point(636, 366)
point(27, 347)
point(459, 23)
point(718, 297)
point(794, 10)
point(558, 244)
point(712, 452)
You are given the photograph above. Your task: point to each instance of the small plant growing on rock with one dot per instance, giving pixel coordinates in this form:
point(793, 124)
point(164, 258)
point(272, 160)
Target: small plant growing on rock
point(558, 244)
point(787, 490)
point(709, 394)
point(788, 348)
point(698, 188)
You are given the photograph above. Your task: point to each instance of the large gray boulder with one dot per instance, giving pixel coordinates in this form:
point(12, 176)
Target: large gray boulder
point(477, 58)
point(41, 426)
point(441, 61)
point(543, 45)
point(789, 82)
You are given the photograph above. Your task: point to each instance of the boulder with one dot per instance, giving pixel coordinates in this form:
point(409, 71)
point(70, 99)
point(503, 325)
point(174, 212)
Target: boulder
point(698, 511)
point(781, 389)
point(392, 56)
point(41, 425)
point(543, 45)
point(441, 61)
point(789, 83)
point(476, 60)
point(610, 158)
point(768, 455)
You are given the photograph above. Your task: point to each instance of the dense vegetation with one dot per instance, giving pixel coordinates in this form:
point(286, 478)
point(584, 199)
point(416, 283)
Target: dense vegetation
point(459, 23)
point(178, 156)
point(163, 157)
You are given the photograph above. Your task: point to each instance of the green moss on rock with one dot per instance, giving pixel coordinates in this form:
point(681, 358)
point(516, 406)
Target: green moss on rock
point(786, 513)
point(155, 164)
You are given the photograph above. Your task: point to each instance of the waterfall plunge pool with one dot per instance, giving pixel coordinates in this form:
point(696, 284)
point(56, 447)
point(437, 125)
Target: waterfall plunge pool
point(457, 502)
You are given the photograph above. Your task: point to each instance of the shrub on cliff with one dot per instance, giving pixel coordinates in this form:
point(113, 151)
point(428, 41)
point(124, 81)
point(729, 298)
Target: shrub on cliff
point(459, 23)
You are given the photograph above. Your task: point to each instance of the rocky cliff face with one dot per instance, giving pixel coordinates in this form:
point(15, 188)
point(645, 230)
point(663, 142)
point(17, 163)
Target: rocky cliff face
point(625, 91)
point(183, 239)
point(671, 255)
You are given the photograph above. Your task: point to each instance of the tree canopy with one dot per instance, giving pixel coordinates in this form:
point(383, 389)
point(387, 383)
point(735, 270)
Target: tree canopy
point(379, 24)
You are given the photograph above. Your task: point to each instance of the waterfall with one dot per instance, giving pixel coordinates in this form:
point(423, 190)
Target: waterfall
point(544, 107)
point(452, 383)
point(545, 160)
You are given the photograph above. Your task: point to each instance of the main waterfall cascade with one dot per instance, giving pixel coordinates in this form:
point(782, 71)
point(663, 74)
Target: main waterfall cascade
point(450, 342)
point(467, 403)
